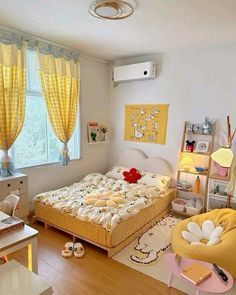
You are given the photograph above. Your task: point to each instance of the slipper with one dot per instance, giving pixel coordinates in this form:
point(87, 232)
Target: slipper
point(68, 249)
point(78, 250)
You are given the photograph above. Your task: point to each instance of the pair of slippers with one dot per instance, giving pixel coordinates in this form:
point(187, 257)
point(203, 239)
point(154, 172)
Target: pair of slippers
point(70, 248)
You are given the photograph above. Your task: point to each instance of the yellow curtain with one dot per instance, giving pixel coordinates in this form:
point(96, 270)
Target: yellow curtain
point(12, 100)
point(60, 86)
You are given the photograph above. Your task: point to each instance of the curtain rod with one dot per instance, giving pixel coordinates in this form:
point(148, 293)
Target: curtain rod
point(29, 37)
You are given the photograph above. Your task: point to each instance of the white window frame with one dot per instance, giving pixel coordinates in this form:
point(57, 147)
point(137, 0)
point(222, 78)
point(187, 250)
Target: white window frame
point(77, 138)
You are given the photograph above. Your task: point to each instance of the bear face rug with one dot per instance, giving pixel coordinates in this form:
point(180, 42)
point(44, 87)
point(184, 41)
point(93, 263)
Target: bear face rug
point(152, 244)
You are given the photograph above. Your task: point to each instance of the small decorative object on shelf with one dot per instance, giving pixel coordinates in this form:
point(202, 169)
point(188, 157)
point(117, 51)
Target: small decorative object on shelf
point(197, 185)
point(189, 146)
point(184, 186)
point(201, 169)
point(104, 131)
point(97, 133)
point(202, 146)
point(207, 126)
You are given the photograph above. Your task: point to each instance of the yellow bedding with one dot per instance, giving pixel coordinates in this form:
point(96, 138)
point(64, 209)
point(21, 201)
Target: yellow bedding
point(96, 233)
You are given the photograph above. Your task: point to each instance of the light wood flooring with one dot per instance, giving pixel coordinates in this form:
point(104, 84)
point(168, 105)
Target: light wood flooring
point(94, 274)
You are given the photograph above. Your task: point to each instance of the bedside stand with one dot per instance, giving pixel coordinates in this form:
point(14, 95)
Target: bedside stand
point(16, 184)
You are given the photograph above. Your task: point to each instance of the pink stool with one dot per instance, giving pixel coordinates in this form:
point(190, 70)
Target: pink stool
point(214, 284)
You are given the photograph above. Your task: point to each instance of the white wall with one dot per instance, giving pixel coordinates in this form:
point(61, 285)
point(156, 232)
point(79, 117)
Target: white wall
point(194, 84)
point(94, 99)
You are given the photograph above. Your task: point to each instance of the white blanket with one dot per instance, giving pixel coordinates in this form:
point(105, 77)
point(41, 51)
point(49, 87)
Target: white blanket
point(70, 199)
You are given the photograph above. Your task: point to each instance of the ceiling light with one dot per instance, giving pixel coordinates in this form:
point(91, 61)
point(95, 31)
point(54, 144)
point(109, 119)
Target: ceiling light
point(111, 9)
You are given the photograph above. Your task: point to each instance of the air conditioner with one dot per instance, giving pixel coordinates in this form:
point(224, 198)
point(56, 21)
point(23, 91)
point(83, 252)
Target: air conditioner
point(140, 71)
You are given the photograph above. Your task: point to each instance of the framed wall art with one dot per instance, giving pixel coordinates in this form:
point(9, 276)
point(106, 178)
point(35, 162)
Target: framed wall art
point(146, 123)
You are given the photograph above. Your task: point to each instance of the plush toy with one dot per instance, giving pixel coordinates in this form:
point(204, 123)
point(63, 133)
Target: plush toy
point(104, 199)
point(132, 176)
point(190, 145)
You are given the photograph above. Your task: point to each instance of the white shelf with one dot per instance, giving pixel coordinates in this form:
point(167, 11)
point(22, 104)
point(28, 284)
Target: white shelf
point(98, 142)
point(190, 194)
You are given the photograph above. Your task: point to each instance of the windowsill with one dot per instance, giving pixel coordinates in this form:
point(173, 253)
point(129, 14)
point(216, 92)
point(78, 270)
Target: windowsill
point(46, 164)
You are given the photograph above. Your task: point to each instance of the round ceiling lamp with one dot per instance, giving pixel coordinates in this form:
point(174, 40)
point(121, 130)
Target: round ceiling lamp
point(111, 9)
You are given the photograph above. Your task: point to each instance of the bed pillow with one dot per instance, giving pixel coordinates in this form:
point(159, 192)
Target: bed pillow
point(116, 172)
point(151, 179)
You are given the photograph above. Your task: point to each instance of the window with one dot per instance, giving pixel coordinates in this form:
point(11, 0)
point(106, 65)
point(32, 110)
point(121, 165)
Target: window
point(37, 143)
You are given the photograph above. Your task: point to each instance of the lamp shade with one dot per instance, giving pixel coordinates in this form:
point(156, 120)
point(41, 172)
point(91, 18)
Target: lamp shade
point(223, 156)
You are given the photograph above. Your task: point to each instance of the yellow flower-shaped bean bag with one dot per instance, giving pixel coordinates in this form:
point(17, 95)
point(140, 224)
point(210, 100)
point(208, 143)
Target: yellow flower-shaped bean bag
point(223, 253)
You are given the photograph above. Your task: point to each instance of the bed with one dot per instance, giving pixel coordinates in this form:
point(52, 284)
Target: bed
point(110, 227)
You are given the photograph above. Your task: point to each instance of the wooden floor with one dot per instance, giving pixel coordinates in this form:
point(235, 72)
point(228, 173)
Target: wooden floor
point(94, 274)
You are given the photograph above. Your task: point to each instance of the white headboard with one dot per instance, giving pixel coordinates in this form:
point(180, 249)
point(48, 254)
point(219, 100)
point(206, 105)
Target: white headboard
point(138, 159)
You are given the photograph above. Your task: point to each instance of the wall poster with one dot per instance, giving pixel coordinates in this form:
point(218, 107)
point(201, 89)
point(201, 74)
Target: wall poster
point(146, 122)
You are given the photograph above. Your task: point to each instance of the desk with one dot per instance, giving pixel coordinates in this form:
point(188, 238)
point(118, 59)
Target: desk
point(19, 238)
point(15, 279)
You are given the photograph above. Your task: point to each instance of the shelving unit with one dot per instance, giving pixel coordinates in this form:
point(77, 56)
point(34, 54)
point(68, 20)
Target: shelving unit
point(218, 200)
point(197, 159)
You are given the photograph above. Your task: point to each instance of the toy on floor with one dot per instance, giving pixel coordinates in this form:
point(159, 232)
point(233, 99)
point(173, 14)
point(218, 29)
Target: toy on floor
point(70, 248)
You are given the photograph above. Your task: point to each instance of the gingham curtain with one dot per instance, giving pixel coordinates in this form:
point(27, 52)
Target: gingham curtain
point(12, 100)
point(60, 86)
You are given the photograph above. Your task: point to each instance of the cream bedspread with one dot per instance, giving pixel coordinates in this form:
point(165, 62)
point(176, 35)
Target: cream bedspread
point(72, 199)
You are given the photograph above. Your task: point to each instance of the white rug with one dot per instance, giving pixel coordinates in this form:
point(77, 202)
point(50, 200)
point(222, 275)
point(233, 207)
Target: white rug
point(145, 255)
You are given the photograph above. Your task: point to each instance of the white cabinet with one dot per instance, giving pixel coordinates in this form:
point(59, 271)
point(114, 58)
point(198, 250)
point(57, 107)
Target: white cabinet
point(16, 184)
point(216, 196)
point(15, 279)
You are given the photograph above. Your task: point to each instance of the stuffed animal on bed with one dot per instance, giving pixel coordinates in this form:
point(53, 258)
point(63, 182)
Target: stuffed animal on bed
point(132, 176)
point(104, 199)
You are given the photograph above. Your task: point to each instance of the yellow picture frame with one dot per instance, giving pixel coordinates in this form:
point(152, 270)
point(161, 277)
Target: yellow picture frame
point(146, 123)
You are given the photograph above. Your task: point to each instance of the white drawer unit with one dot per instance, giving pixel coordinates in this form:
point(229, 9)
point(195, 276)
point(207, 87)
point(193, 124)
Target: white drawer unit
point(16, 184)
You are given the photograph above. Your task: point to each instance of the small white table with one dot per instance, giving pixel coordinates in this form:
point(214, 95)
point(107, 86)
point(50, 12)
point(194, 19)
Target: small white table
point(15, 279)
point(19, 238)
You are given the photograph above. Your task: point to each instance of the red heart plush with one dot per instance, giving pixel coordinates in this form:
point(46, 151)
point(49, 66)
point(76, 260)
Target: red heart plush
point(132, 176)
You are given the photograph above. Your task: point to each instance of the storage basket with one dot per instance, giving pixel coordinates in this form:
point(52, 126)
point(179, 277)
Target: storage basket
point(193, 211)
point(179, 207)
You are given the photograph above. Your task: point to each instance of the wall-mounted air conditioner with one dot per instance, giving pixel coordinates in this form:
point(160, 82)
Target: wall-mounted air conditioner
point(140, 71)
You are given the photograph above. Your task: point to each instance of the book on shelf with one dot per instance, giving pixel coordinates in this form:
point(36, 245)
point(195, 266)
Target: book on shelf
point(8, 223)
point(196, 273)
